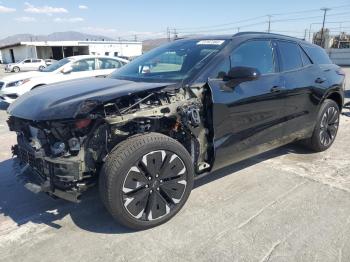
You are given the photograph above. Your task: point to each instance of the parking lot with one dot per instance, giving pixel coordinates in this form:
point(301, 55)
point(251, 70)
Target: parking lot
point(285, 205)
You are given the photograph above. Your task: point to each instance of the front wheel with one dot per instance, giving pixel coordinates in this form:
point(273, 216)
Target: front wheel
point(146, 180)
point(326, 127)
point(41, 68)
point(16, 69)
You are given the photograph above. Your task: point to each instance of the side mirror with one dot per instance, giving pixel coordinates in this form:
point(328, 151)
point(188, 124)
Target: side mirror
point(67, 70)
point(241, 74)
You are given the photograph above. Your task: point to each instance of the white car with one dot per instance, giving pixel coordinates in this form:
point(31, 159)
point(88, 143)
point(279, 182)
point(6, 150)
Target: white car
point(29, 64)
point(66, 69)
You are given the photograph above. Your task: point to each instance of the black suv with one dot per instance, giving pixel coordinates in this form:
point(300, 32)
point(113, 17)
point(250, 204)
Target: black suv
point(182, 110)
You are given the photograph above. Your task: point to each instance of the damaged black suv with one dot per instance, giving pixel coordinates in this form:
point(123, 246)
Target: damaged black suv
point(182, 110)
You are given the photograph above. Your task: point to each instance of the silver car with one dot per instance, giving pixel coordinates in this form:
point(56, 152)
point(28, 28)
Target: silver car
point(29, 64)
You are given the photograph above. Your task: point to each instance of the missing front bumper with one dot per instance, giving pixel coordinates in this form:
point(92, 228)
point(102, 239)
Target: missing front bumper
point(34, 182)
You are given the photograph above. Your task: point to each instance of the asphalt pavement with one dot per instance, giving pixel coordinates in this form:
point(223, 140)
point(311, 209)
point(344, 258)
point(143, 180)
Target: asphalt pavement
point(285, 205)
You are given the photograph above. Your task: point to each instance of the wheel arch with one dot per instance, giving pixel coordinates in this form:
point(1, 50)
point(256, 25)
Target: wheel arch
point(37, 86)
point(336, 97)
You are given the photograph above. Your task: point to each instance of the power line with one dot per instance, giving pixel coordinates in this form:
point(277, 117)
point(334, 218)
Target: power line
point(221, 29)
point(259, 17)
point(226, 24)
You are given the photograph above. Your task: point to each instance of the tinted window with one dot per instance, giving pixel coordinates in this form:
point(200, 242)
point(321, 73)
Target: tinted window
point(257, 54)
point(105, 63)
point(305, 58)
point(290, 56)
point(84, 65)
point(36, 61)
point(222, 70)
point(317, 54)
point(171, 62)
point(27, 61)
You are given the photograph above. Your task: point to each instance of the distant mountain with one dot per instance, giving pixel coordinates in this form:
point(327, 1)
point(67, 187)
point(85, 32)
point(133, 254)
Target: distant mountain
point(58, 36)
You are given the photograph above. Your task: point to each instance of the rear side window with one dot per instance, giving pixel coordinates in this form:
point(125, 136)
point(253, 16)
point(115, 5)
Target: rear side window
point(305, 58)
point(289, 56)
point(317, 54)
point(106, 63)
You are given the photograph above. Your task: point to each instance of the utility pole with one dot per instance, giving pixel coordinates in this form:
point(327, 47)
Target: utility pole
point(135, 38)
point(168, 33)
point(323, 23)
point(269, 23)
point(175, 34)
point(238, 28)
point(305, 33)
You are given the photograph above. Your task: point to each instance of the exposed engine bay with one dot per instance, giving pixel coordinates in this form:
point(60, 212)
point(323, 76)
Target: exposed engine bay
point(68, 154)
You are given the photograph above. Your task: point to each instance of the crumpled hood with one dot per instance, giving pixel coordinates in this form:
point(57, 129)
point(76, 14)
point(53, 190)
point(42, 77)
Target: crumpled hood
point(62, 100)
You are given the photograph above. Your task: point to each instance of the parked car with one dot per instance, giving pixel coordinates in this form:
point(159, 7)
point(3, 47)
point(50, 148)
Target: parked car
point(68, 68)
point(202, 104)
point(49, 62)
point(29, 64)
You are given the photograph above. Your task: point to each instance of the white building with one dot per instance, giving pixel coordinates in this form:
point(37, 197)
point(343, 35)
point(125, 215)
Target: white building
point(60, 49)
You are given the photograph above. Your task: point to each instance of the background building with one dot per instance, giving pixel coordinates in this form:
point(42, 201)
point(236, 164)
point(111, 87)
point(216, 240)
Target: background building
point(60, 49)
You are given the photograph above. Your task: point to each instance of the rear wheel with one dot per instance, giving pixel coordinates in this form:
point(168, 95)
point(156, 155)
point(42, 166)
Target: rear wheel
point(146, 180)
point(326, 127)
point(16, 69)
point(41, 68)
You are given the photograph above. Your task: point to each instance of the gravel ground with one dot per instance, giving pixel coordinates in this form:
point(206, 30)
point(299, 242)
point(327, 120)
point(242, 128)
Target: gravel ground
point(284, 205)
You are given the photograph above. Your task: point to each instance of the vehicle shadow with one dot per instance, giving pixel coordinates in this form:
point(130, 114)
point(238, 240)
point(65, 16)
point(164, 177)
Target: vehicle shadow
point(346, 104)
point(23, 206)
point(3, 105)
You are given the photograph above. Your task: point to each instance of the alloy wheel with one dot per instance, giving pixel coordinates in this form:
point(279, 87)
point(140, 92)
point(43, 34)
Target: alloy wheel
point(329, 126)
point(155, 185)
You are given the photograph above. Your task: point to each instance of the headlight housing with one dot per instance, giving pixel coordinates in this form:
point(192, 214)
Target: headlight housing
point(18, 82)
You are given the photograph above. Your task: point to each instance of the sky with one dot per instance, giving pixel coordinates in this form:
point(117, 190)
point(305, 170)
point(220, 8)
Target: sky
point(150, 19)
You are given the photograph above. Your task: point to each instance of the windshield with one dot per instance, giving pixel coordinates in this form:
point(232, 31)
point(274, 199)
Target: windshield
point(170, 63)
point(56, 65)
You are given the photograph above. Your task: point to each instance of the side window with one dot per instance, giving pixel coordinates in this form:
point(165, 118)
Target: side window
point(317, 54)
point(36, 61)
point(305, 58)
point(84, 65)
point(289, 56)
point(105, 63)
point(257, 54)
point(27, 61)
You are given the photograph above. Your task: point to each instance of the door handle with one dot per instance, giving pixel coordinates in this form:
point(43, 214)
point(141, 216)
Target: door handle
point(320, 80)
point(276, 89)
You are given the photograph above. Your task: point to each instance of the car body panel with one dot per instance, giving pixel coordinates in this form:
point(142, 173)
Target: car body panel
point(62, 100)
point(248, 115)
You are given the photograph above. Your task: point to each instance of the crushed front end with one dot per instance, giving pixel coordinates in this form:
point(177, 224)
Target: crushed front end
point(50, 158)
point(65, 156)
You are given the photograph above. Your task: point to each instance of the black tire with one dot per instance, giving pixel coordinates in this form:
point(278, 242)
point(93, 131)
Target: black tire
point(326, 127)
point(41, 68)
point(146, 180)
point(16, 69)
